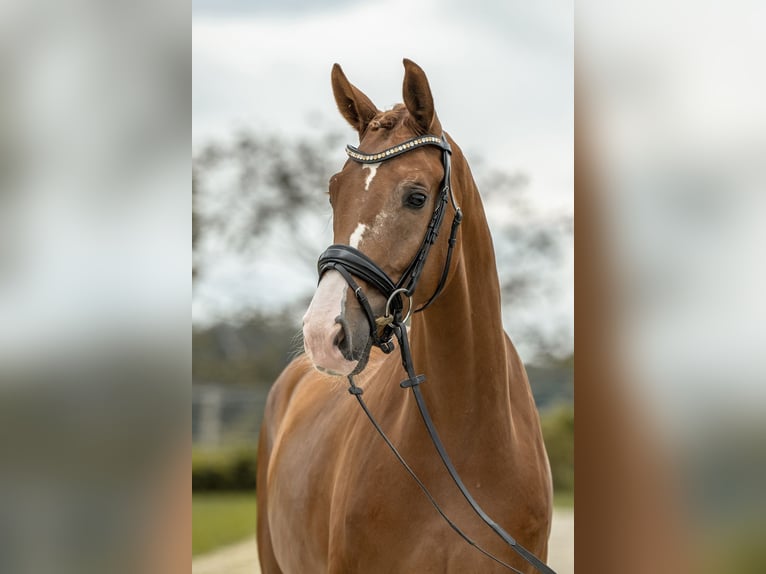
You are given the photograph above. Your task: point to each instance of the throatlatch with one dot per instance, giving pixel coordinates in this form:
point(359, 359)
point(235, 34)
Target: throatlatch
point(350, 263)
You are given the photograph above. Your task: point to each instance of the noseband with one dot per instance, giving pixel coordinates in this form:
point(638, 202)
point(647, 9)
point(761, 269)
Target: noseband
point(351, 263)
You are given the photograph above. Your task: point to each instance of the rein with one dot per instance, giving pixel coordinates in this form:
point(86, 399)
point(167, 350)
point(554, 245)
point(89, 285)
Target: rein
point(350, 263)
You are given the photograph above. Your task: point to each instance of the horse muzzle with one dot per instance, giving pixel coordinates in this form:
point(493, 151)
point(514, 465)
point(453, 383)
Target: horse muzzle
point(335, 335)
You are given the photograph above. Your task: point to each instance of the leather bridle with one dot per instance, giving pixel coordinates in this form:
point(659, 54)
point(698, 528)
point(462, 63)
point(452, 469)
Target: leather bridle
point(352, 263)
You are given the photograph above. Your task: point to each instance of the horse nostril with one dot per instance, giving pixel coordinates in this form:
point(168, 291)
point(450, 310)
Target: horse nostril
point(343, 339)
point(339, 338)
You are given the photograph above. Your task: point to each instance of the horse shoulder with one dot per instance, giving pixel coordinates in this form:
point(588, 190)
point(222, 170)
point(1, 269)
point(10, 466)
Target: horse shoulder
point(277, 404)
point(293, 488)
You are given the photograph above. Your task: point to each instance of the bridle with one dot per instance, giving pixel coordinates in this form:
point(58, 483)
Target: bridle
point(351, 263)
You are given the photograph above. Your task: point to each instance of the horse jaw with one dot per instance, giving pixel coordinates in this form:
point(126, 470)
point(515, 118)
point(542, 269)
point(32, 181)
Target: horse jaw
point(321, 328)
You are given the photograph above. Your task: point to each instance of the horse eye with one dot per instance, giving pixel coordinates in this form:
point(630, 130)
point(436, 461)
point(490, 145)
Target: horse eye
point(415, 200)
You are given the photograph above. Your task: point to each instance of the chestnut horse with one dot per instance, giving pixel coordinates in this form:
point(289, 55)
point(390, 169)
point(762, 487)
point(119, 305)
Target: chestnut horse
point(331, 496)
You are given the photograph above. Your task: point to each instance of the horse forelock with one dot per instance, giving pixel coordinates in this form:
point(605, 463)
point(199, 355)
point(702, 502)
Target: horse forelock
point(398, 117)
point(389, 119)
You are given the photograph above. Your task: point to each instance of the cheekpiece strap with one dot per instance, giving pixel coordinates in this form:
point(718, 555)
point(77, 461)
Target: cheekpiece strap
point(398, 149)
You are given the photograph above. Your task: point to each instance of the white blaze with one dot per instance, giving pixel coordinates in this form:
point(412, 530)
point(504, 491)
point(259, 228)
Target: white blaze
point(320, 328)
point(373, 167)
point(356, 236)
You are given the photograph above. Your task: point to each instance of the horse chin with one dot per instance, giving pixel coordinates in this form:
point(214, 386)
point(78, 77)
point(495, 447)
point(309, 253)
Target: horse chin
point(332, 373)
point(331, 360)
point(360, 366)
point(346, 368)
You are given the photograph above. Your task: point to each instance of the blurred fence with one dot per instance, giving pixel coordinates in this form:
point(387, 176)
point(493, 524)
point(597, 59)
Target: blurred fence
point(226, 415)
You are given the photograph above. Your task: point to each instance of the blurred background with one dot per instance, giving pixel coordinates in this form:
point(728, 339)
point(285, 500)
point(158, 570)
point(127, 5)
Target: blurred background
point(94, 286)
point(671, 156)
point(267, 136)
point(95, 345)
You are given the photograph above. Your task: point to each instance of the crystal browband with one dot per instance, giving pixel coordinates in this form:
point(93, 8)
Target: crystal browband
point(396, 150)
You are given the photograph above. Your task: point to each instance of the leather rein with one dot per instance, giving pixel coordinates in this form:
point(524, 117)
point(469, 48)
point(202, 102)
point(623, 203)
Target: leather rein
point(351, 263)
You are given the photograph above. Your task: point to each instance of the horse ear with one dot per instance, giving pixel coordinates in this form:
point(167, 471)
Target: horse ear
point(418, 98)
point(352, 103)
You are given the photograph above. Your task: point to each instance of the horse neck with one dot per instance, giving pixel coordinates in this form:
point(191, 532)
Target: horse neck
point(459, 342)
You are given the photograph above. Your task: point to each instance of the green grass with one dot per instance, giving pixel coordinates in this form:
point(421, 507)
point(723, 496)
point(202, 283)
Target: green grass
point(563, 499)
point(219, 519)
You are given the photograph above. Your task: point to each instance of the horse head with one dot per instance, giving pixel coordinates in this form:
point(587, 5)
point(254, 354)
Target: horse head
point(381, 210)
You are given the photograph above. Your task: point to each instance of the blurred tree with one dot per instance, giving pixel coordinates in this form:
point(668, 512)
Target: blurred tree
point(257, 188)
point(552, 381)
point(532, 248)
point(252, 351)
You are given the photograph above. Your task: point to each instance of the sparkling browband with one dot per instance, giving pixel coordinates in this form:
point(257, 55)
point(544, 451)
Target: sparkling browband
point(396, 150)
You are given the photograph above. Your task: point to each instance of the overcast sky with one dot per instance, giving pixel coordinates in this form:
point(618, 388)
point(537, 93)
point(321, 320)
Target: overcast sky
point(501, 74)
